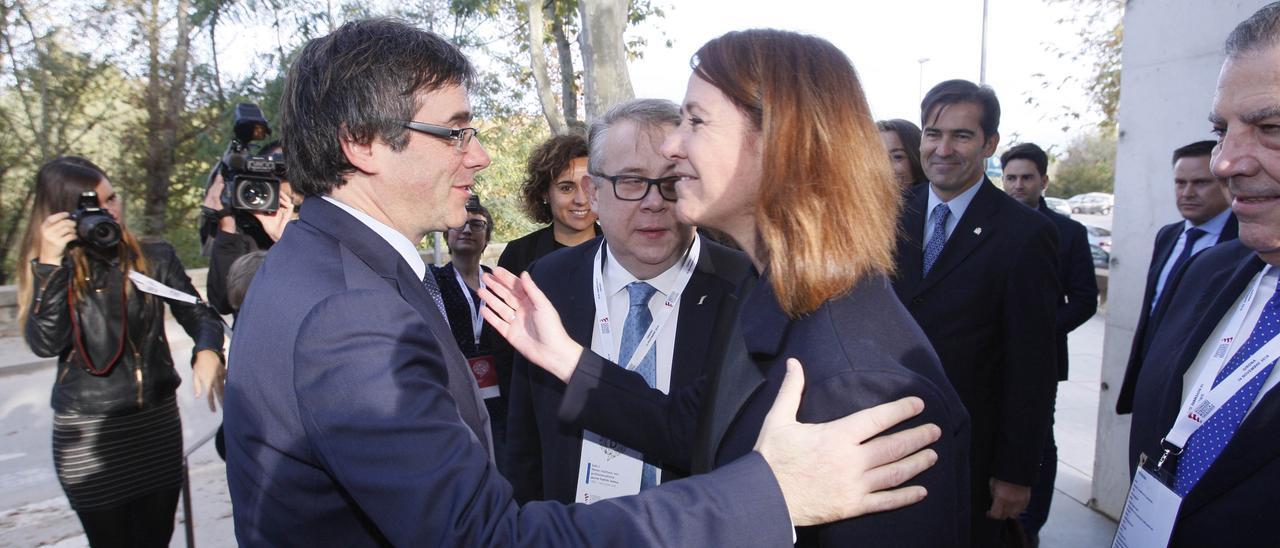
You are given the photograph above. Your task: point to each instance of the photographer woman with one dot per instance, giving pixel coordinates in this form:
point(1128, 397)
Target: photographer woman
point(117, 436)
point(553, 193)
point(777, 148)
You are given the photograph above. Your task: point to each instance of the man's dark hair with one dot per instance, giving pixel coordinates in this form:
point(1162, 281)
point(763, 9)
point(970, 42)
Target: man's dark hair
point(1194, 150)
point(963, 91)
point(1260, 30)
point(474, 206)
point(1030, 152)
point(359, 83)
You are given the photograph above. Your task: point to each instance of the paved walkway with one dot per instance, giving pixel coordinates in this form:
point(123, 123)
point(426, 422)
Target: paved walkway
point(50, 522)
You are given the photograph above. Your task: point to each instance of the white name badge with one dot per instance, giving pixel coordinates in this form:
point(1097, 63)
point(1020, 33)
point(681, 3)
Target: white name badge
point(1149, 513)
point(607, 469)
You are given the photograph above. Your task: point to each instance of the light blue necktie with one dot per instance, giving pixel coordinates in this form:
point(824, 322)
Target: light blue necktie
point(638, 320)
point(1207, 442)
point(939, 237)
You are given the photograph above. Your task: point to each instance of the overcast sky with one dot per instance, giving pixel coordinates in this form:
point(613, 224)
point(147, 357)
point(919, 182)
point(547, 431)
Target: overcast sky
point(885, 40)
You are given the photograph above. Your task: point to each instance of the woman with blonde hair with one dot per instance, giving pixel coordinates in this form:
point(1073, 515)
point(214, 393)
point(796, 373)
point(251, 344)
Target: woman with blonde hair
point(777, 148)
point(117, 436)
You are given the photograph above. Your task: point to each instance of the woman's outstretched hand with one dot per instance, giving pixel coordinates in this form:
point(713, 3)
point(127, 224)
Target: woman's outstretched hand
point(518, 310)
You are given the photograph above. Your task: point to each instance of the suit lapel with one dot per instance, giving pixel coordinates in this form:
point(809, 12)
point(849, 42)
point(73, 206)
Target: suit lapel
point(579, 314)
point(383, 259)
point(699, 318)
point(736, 378)
point(971, 232)
point(1254, 442)
point(910, 263)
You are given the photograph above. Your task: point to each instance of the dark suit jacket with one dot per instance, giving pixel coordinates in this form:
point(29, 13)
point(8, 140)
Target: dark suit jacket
point(1076, 277)
point(544, 453)
point(491, 343)
point(522, 251)
point(1236, 502)
point(989, 307)
point(1166, 239)
point(352, 420)
point(858, 351)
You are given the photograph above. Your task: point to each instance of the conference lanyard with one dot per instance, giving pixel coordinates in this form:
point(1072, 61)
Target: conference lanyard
point(1205, 400)
point(689, 261)
point(150, 285)
point(477, 321)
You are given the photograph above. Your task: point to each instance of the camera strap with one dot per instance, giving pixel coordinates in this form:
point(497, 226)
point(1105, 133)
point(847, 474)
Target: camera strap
point(77, 338)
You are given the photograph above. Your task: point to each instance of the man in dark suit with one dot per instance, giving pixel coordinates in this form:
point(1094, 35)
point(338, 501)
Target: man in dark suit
point(352, 418)
point(1204, 203)
point(643, 243)
point(487, 354)
point(1227, 469)
point(978, 271)
point(1025, 173)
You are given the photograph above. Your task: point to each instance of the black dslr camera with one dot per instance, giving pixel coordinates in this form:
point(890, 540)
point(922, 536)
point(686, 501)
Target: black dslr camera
point(94, 225)
point(252, 180)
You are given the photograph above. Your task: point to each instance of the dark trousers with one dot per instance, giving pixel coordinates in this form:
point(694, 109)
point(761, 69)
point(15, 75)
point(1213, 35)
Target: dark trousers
point(143, 522)
point(1037, 512)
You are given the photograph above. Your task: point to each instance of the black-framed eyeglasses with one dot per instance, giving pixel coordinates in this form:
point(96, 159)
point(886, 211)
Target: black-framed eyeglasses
point(461, 137)
point(476, 225)
point(633, 188)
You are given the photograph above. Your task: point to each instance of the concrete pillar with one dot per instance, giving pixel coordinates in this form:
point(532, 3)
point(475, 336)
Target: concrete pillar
point(1172, 54)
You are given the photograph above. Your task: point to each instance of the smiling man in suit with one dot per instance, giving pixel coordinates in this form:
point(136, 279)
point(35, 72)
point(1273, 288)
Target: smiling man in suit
point(978, 272)
point(645, 257)
point(1204, 203)
point(1026, 175)
point(1216, 326)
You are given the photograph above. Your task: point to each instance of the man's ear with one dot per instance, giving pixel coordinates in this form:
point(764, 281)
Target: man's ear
point(362, 156)
point(989, 147)
point(589, 185)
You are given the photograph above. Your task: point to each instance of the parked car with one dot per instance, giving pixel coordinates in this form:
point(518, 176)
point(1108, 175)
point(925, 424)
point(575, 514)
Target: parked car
point(1101, 259)
point(1099, 236)
point(1059, 205)
point(1096, 203)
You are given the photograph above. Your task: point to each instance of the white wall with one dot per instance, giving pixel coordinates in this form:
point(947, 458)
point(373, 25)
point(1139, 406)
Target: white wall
point(1172, 53)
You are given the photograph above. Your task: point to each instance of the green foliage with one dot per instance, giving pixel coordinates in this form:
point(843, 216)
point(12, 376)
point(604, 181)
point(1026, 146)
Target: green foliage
point(1101, 34)
point(1087, 165)
point(509, 142)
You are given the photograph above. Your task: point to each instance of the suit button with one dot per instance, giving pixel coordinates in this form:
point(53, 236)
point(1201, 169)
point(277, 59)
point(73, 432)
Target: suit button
point(917, 300)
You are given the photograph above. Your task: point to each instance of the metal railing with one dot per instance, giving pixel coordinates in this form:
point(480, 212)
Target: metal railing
point(190, 519)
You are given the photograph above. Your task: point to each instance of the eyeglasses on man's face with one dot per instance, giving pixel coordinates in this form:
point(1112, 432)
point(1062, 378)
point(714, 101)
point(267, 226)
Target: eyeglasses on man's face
point(633, 188)
point(476, 225)
point(461, 137)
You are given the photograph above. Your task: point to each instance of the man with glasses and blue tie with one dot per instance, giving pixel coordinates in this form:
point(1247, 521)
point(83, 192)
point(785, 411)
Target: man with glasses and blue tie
point(1205, 412)
point(354, 419)
point(650, 295)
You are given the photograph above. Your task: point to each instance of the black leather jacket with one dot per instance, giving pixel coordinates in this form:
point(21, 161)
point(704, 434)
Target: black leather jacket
point(143, 374)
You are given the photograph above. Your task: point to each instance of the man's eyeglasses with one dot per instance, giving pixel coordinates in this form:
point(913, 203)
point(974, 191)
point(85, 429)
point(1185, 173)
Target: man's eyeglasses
point(475, 225)
point(461, 137)
point(633, 188)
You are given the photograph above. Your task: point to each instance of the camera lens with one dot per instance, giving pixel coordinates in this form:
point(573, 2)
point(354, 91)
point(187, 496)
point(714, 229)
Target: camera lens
point(99, 230)
point(256, 195)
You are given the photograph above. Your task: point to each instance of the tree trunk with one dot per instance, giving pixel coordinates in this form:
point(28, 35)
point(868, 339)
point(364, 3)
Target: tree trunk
point(165, 102)
point(604, 57)
point(538, 62)
point(568, 83)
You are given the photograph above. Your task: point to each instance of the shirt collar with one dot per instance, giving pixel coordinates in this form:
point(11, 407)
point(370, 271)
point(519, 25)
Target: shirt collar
point(1212, 226)
point(398, 241)
point(617, 278)
point(958, 204)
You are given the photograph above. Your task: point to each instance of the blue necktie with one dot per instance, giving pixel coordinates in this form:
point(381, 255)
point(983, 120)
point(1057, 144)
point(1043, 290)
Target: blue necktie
point(1207, 442)
point(1192, 234)
point(433, 289)
point(939, 237)
point(638, 320)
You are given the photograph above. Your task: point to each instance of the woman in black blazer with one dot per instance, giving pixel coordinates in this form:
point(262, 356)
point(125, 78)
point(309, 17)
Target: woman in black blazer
point(777, 148)
point(553, 193)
